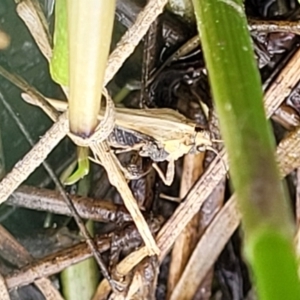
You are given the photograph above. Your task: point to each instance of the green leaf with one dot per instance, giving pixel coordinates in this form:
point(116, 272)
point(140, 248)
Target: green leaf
point(59, 65)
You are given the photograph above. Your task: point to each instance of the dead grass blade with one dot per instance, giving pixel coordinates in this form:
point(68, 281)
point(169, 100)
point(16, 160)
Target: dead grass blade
point(32, 15)
point(132, 37)
point(283, 84)
point(207, 250)
point(187, 241)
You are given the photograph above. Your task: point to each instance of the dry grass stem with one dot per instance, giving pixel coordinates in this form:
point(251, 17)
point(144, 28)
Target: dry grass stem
point(54, 263)
point(283, 84)
point(47, 289)
point(186, 242)
point(132, 37)
point(35, 22)
point(274, 26)
point(207, 251)
point(33, 158)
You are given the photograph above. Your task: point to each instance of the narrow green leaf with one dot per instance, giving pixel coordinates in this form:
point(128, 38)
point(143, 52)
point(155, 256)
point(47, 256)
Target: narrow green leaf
point(237, 92)
point(59, 65)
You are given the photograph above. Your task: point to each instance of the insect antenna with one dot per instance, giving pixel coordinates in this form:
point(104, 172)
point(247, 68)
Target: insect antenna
point(218, 155)
point(216, 141)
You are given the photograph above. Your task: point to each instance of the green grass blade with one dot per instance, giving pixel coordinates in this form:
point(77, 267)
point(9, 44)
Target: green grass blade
point(236, 87)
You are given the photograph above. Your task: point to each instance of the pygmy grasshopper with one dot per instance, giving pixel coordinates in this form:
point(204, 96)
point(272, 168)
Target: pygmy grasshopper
point(160, 134)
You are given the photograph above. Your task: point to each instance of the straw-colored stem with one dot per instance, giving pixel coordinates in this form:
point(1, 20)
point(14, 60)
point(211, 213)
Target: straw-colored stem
point(90, 26)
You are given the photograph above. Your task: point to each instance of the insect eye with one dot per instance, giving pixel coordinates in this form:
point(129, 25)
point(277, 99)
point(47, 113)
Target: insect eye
point(199, 128)
point(201, 148)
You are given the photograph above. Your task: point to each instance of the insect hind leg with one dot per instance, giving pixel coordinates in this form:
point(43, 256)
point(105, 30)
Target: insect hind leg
point(169, 177)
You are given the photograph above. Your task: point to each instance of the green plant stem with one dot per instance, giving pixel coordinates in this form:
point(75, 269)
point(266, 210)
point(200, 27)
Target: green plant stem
point(237, 92)
point(90, 26)
point(83, 167)
point(80, 280)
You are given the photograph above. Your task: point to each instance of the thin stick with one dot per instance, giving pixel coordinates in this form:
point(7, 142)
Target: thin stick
point(22, 128)
point(274, 26)
point(51, 201)
point(83, 230)
point(33, 158)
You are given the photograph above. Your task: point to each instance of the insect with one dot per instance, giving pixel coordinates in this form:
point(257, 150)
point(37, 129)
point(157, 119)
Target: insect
point(160, 134)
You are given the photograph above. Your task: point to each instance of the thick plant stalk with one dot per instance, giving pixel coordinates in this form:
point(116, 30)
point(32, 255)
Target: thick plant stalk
point(90, 26)
point(237, 92)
